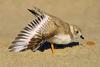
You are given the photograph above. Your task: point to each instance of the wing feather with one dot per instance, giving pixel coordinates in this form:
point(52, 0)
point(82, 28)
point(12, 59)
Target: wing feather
point(33, 35)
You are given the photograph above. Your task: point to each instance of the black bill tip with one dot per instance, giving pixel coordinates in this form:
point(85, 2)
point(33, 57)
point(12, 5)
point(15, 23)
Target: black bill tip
point(81, 37)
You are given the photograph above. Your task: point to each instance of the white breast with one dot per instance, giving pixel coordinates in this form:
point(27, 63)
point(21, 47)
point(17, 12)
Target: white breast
point(61, 39)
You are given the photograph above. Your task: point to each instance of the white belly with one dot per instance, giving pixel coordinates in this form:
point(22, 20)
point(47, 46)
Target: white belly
point(61, 39)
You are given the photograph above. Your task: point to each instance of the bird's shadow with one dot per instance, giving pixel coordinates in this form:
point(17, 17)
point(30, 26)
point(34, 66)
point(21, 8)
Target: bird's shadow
point(47, 45)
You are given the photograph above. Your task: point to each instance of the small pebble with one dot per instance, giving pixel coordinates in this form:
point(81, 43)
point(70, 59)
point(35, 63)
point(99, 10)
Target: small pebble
point(90, 43)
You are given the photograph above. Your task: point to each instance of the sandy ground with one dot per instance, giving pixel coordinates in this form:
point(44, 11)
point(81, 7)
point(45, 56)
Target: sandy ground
point(84, 13)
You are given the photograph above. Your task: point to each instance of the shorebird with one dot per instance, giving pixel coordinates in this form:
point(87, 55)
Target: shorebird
point(45, 27)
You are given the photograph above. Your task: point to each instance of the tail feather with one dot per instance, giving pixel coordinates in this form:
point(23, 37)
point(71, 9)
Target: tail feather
point(36, 11)
point(33, 12)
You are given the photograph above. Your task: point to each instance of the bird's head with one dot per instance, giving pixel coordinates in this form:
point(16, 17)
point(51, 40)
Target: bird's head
point(76, 32)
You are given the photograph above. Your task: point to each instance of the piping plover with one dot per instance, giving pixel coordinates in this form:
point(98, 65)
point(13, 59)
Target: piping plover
point(45, 27)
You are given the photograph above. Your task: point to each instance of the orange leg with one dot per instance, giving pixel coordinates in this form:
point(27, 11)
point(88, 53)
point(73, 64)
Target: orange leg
point(52, 48)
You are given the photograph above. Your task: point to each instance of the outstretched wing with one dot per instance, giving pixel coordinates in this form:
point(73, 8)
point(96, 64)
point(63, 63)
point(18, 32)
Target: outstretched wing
point(36, 33)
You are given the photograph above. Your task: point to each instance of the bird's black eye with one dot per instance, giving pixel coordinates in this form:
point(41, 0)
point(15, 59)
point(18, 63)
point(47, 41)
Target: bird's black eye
point(77, 32)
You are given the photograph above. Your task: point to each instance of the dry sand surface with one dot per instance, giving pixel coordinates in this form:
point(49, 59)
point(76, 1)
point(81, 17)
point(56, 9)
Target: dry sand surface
point(84, 13)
